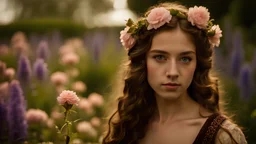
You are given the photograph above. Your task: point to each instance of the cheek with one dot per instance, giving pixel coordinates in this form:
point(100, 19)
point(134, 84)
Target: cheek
point(151, 72)
point(190, 72)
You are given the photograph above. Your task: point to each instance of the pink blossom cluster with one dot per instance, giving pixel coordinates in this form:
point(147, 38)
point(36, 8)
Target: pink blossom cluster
point(36, 116)
point(68, 97)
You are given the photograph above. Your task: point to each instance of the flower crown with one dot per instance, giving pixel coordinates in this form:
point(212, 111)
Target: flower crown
point(157, 17)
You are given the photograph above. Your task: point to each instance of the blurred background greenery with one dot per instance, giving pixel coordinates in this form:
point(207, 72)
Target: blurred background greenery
point(90, 28)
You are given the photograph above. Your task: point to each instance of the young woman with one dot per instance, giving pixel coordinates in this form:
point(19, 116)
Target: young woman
point(169, 94)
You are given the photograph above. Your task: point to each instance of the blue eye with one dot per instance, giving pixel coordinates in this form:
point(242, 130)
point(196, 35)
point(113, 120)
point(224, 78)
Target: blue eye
point(160, 58)
point(186, 59)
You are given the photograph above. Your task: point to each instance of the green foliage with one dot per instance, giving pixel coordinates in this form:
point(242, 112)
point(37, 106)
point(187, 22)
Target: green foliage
point(66, 27)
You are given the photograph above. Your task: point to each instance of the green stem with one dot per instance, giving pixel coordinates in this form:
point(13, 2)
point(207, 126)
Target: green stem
point(67, 122)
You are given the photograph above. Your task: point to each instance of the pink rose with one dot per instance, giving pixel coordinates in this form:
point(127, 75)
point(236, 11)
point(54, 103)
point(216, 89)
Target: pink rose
point(69, 97)
point(199, 16)
point(126, 39)
point(215, 40)
point(158, 17)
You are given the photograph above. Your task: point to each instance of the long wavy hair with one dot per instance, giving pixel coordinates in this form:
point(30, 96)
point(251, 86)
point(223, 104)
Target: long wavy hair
point(136, 106)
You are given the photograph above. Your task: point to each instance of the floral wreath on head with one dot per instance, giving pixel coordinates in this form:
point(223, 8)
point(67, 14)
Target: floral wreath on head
point(157, 17)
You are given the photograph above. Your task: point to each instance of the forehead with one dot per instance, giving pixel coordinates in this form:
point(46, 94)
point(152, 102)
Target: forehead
point(173, 41)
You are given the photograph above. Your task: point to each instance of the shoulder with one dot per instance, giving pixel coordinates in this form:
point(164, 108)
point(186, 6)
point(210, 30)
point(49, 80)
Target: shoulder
point(230, 133)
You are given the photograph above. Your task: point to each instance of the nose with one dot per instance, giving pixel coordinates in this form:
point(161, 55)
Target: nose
point(172, 69)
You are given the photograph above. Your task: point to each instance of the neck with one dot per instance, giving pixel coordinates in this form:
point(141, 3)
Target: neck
point(172, 110)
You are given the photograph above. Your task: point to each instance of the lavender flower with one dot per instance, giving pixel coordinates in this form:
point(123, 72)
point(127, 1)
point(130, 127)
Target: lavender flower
point(236, 62)
point(40, 69)
point(246, 82)
point(24, 69)
point(237, 54)
point(3, 121)
point(16, 114)
point(43, 50)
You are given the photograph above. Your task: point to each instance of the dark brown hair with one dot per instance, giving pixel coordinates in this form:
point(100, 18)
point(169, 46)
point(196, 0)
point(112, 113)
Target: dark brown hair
point(135, 108)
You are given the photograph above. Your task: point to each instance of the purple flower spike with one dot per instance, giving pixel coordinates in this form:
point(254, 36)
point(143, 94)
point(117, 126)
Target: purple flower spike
point(16, 114)
point(3, 122)
point(24, 69)
point(43, 50)
point(40, 70)
point(246, 82)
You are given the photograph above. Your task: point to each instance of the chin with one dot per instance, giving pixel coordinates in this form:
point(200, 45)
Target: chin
point(169, 95)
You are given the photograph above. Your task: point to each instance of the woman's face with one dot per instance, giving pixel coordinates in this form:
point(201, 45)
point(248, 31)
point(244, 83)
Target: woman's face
point(171, 63)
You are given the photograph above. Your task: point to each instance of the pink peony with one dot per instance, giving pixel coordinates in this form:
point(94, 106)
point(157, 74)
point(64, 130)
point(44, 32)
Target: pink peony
point(158, 17)
point(59, 78)
point(95, 121)
point(199, 16)
point(96, 99)
point(69, 97)
point(126, 39)
point(86, 128)
point(9, 72)
point(215, 40)
point(36, 116)
point(79, 86)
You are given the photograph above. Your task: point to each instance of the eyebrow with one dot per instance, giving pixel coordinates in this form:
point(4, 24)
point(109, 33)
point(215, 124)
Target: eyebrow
point(164, 52)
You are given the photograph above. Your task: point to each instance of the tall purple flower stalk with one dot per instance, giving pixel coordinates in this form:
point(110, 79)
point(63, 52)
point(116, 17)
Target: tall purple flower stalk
point(246, 82)
point(17, 123)
point(236, 62)
point(3, 122)
point(43, 50)
point(40, 70)
point(237, 55)
point(24, 70)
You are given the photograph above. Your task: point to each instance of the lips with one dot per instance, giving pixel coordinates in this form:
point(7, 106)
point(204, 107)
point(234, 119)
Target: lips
point(171, 86)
